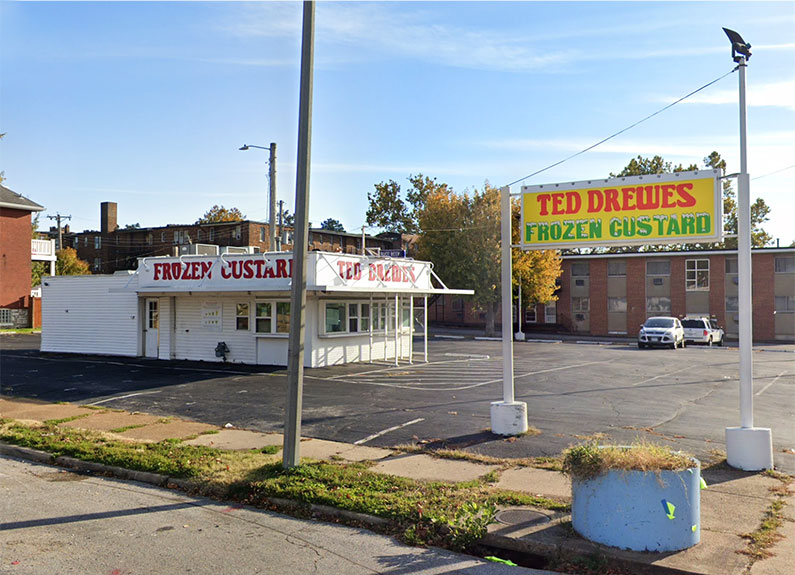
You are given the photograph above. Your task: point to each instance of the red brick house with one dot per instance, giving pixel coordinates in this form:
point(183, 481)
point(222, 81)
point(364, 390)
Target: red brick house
point(15, 257)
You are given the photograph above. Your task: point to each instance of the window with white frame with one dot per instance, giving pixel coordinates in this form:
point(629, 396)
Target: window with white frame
point(263, 317)
point(364, 319)
point(261, 234)
point(785, 265)
point(785, 304)
point(237, 232)
point(97, 242)
point(282, 317)
point(149, 239)
point(163, 237)
point(530, 315)
point(97, 264)
point(551, 312)
point(697, 275)
point(211, 234)
point(241, 316)
point(335, 317)
point(76, 242)
point(353, 317)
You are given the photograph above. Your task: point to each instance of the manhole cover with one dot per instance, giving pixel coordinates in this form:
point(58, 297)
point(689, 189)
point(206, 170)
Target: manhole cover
point(521, 517)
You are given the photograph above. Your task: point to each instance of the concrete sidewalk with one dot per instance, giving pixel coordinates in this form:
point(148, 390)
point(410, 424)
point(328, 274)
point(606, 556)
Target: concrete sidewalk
point(734, 504)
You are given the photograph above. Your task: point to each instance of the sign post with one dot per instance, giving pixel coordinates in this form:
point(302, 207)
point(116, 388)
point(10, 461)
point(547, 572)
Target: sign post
point(508, 417)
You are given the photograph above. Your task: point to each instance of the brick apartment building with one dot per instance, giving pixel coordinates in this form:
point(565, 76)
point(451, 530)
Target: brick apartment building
point(113, 248)
point(613, 294)
point(15, 257)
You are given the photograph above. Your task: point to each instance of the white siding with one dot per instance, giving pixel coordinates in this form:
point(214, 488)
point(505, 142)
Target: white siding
point(192, 341)
point(90, 314)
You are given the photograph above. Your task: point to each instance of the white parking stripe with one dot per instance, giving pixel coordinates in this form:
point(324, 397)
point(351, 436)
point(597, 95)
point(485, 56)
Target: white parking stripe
point(385, 431)
point(761, 391)
point(123, 397)
point(662, 375)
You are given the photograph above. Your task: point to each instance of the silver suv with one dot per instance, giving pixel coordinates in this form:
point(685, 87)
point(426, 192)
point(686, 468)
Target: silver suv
point(661, 331)
point(702, 330)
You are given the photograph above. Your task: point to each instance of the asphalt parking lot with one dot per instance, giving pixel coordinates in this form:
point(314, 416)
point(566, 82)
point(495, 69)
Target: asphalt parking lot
point(574, 391)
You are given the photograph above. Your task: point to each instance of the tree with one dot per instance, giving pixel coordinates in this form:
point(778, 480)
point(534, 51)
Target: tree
point(460, 234)
point(68, 264)
point(388, 210)
point(759, 210)
point(332, 225)
point(221, 214)
point(135, 226)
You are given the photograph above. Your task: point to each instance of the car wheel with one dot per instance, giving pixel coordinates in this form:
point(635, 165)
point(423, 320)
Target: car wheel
point(720, 342)
point(641, 345)
point(709, 342)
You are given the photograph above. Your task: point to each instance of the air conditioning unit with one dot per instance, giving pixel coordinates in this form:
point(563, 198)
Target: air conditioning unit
point(198, 250)
point(237, 249)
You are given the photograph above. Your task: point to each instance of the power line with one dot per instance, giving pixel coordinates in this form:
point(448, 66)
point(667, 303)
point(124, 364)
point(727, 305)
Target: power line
point(776, 172)
point(625, 129)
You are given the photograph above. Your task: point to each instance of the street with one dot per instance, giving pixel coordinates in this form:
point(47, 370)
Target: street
point(56, 521)
point(574, 392)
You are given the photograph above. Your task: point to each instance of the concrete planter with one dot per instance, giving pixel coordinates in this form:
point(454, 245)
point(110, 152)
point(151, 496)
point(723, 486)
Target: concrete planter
point(641, 511)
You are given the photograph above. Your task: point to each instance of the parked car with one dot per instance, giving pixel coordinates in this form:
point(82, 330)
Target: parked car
point(702, 330)
point(662, 331)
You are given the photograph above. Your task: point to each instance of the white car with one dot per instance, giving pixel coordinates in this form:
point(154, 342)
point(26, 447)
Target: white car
point(702, 330)
point(661, 331)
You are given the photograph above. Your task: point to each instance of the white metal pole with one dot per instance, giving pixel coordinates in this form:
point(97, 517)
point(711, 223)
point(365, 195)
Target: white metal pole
point(744, 267)
point(411, 330)
point(507, 320)
point(372, 316)
point(397, 328)
point(425, 326)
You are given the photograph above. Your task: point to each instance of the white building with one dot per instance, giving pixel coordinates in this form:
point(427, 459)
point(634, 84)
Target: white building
point(237, 308)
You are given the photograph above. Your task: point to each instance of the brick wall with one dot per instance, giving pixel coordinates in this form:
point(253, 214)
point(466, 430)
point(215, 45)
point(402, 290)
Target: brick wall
point(15, 236)
point(636, 294)
point(717, 288)
point(598, 296)
point(678, 286)
point(763, 272)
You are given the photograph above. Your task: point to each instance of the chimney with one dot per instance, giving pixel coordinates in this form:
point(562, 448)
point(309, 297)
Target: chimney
point(107, 217)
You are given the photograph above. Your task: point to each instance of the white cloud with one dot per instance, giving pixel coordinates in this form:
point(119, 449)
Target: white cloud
point(773, 94)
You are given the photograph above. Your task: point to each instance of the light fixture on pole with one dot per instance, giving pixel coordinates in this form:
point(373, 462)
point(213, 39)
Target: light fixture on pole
point(271, 189)
point(747, 447)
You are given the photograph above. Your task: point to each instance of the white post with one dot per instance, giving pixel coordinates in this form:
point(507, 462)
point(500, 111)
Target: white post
point(372, 314)
point(425, 326)
point(519, 314)
point(508, 417)
point(411, 330)
point(397, 328)
point(747, 447)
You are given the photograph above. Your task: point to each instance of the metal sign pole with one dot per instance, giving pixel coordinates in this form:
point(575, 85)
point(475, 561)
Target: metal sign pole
point(747, 447)
point(508, 417)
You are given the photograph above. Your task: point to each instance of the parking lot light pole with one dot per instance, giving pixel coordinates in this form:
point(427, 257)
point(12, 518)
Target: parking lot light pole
point(747, 447)
point(508, 417)
point(271, 190)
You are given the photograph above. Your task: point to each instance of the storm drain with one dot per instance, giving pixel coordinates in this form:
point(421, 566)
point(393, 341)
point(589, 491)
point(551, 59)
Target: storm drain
point(524, 517)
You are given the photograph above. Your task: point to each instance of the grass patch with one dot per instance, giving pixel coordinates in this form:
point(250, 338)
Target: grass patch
point(591, 460)
point(270, 449)
point(767, 534)
point(127, 428)
point(66, 419)
point(211, 432)
point(453, 515)
point(94, 407)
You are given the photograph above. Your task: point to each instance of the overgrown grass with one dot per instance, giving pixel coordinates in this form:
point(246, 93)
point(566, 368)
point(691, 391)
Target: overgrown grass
point(449, 514)
point(591, 460)
point(767, 534)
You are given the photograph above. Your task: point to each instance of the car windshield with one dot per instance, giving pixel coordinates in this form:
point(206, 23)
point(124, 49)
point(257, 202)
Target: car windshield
point(693, 323)
point(659, 322)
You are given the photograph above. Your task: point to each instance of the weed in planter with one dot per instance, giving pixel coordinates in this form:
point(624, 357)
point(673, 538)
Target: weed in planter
point(589, 460)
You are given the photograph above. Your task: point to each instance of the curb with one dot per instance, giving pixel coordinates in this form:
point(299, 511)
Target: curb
point(532, 550)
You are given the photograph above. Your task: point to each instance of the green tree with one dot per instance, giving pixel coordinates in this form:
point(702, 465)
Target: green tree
point(135, 226)
point(388, 210)
point(460, 234)
point(332, 225)
point(218, 214)
point(68, 264)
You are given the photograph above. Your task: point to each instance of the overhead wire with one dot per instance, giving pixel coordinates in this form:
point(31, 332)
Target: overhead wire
point(599, 143)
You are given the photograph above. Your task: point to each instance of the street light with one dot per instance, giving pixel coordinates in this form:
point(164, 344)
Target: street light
point(272, 191)
point(747, 447)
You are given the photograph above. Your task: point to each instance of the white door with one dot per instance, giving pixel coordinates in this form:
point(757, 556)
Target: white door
point(152, 328)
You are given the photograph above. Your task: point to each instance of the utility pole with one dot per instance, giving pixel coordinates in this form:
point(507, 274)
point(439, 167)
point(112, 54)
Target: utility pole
point(58, 217)
point(295, 349)
point(281, 224)
point(272, 179)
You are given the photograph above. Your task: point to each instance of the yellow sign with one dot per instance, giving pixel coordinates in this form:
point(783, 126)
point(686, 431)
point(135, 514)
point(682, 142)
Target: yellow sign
point(683, 207)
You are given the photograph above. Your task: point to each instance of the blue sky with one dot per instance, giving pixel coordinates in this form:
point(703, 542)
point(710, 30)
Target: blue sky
point(147, 103)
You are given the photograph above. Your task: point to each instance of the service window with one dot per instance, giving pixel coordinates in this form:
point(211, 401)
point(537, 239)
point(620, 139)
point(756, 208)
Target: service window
point(353, 317)
point(264, 318)
point(365, 317)
point(335, 317)
point(283, 317)
point(241, 316)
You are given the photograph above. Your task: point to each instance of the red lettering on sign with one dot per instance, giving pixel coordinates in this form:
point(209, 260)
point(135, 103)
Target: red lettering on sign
point(595, 201)
point(611, 200)
point(668, 196)
point(543, 199)
point(248, 269)
point(628, 199)
point(281, 268)
point(686, 200)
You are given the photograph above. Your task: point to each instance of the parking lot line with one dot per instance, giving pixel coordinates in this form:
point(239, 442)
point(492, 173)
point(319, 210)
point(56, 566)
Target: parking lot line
point(387, 430)
point(123, 397)
point(761, 391)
